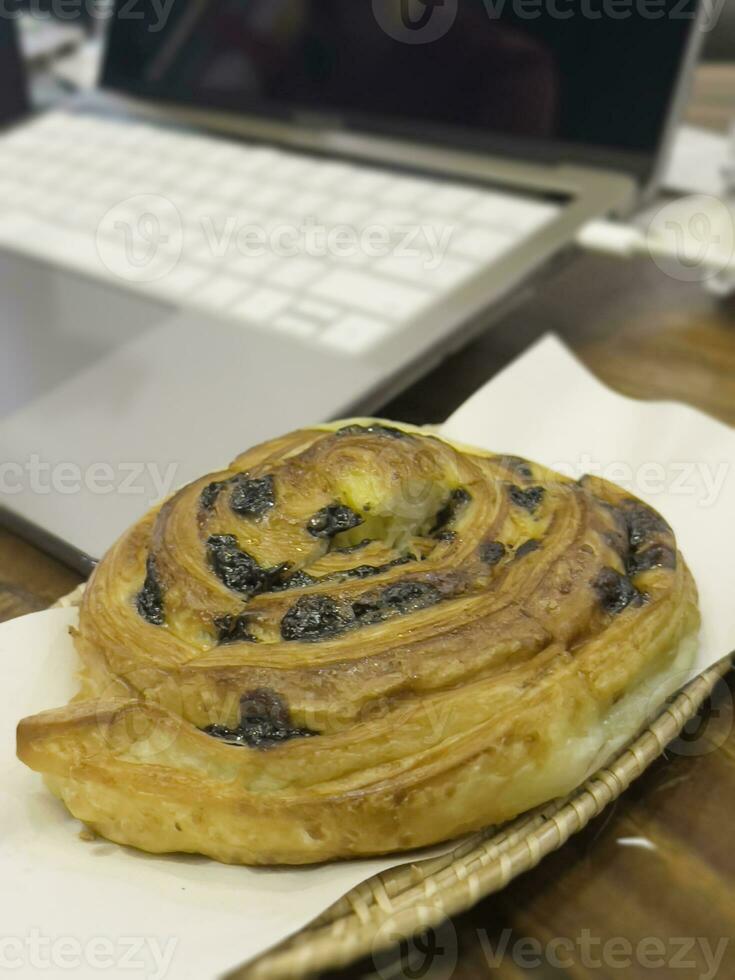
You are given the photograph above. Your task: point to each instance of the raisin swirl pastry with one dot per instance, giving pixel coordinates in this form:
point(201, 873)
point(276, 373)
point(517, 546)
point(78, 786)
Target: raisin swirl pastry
point(359, 639)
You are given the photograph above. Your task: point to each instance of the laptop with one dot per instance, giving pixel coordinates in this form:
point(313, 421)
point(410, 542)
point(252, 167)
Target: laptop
point(13, 94)
point(279, 212)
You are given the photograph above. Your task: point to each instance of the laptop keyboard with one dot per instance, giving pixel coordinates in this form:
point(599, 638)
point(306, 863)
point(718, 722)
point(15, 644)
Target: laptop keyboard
point(334, 253)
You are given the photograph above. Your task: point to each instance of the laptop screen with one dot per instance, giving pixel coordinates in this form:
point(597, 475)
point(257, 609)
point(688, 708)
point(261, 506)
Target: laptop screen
point(521, 75)
point(13, 98)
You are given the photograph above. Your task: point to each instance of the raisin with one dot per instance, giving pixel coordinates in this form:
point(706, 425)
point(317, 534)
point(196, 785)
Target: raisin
point(265, 721)
point(447, 536)
point(491, 552)
point(527, 499)
point(657, 556)
point(233, 629)
point(398, 599)
point(333, 520)
point(238, 570)
point(365, 571)
point(458, 499)
point(149, 601)
point(407, 597)
point(252, 498)
point(615, 591)
point(368, 611)
point(314, 618)
point(299, 580)
point(643, 523)
point(527, 548)
point(209, 495)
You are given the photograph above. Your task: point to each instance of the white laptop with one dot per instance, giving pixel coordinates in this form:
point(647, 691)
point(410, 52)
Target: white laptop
point(280, 212)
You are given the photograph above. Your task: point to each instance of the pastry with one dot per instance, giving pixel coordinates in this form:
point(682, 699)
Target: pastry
point(360, 639)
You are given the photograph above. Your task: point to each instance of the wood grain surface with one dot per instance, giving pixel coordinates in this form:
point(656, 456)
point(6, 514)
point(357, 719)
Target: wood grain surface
point(648, 890)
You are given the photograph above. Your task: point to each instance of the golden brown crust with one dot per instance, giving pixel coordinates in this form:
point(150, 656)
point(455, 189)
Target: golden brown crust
point(456, 669)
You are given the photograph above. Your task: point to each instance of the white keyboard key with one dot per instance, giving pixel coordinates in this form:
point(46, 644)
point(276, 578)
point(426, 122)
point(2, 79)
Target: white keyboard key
point(345, 212)
point(401, 191)
point(355, 334)
point(236, 189)
point(450, 200)
point(393, 219)
point(324, 312)
point(306, 204)
point(294, 326)
point(261, 305)
point(482, 244)
point(220, 292)
point(371, 294)
point(295, 273)
point(251, 266)
point(267, 197)
point(180, 282)
point(325, 174)
point(46, 203)
point(518, 215)
point(196, 179)
point(288, 169)
point(83, 216)
point(368, 183)
point(444, 273)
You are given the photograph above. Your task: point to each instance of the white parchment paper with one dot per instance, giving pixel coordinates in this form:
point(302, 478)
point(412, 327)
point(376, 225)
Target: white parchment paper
point(80, 908)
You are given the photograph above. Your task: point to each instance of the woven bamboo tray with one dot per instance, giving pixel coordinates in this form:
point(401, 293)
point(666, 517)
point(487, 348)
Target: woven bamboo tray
point(411, 898)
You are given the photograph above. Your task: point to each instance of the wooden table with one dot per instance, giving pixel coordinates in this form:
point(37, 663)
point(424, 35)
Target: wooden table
point(654, 876)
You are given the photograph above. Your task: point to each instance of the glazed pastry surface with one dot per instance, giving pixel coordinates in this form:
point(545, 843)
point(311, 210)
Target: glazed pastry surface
point(360, 639)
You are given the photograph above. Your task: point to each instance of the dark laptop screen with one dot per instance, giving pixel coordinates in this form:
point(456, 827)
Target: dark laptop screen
point(13, 102)
point(596, 74)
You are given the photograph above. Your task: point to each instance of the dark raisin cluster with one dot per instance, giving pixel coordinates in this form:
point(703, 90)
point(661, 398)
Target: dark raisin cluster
point(233, 629)
point(615, 591)
point(333, 520)
point(238, 570)
point(149, 601)
point(252, 498)
point(398, 599)
point(491, 552)
point(527, 499)
point(315, 618)
point(643, 526)
point(458, 499)
point(527, 548)
point(265, 721)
